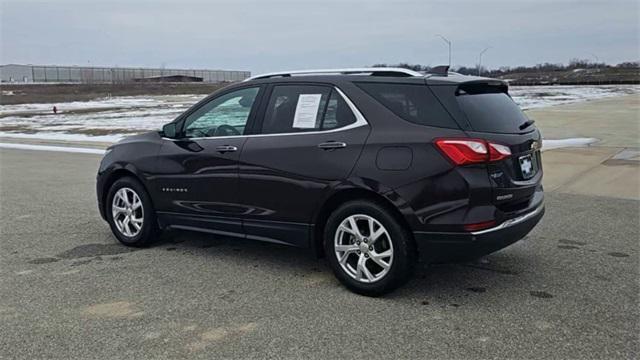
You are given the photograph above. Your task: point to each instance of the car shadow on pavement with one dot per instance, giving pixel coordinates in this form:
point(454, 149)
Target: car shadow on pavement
point(494, 279)
point(448, 282)
point(242, 249)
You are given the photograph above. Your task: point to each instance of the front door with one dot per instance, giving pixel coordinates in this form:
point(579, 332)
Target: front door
point(309, 140)
point(197, 177)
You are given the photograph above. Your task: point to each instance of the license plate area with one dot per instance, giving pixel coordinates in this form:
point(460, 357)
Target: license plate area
point(527, 166)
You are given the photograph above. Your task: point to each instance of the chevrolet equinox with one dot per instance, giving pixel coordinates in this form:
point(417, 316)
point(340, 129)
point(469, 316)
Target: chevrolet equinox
point(367, 167)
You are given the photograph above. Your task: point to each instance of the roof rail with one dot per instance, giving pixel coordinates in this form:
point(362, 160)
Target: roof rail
point(385, 71)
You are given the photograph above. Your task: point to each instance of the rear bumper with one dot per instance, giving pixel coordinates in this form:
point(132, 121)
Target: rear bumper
point(441, 247)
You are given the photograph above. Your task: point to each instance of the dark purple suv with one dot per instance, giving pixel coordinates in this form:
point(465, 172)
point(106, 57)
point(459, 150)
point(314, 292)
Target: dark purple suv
point(367, 167)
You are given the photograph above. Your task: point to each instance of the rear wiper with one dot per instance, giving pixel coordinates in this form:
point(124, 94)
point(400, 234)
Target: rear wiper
point(526, 124)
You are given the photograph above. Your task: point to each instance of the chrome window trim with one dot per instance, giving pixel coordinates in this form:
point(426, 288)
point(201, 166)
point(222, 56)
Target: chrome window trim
point(360, 121)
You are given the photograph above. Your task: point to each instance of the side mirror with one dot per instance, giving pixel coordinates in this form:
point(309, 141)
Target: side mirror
point(169, 130)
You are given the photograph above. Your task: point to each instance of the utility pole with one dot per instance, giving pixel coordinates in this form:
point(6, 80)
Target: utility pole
point(449, 44)
point(597, 69)
point(480, 59)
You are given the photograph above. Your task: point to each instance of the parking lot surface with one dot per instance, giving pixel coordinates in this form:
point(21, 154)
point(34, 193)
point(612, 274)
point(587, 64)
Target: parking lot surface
point(69, 290)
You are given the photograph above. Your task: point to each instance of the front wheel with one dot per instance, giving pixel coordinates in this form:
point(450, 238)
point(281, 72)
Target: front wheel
point(130, 213)
point(369, 250)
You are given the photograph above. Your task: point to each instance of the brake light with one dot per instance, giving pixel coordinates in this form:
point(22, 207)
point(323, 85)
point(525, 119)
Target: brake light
point(465, 151)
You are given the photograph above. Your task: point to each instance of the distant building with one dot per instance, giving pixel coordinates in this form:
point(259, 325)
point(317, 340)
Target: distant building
point(14, 73)
point(169, 78)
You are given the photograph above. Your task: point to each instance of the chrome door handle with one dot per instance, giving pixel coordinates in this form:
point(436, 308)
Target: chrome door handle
point(330, 145)
point(226, 148)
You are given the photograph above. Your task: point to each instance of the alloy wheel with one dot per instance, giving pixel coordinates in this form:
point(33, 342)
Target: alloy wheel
point(127, 212)
point(363, 248)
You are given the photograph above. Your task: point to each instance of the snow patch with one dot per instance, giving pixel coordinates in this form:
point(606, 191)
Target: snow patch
point(110, 119)
point(564, 143)
point(531, 97)
point(63, 136)
point(51, 148)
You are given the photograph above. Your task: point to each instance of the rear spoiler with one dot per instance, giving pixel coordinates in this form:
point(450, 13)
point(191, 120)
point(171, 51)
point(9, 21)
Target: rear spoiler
point(458, 79)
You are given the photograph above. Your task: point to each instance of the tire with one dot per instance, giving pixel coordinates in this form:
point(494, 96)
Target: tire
point(363, 249)
point(129, 234)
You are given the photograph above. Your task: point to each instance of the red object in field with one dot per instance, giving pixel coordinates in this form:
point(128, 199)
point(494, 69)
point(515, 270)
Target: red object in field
point(55, 109)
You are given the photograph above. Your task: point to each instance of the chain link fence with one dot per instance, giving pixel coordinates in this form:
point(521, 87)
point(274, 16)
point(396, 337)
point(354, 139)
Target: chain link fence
point(89, 74)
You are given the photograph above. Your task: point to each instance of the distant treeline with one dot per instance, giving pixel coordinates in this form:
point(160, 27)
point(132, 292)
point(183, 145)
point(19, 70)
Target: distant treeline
point(504, 70)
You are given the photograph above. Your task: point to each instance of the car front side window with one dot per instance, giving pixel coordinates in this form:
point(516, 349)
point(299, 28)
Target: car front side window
point(226, 115)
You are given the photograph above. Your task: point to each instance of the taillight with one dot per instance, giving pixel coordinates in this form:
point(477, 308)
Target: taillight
point(498, 152)
point(465, 151)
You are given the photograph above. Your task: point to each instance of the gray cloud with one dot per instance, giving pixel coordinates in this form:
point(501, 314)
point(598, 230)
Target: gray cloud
point(273, 35)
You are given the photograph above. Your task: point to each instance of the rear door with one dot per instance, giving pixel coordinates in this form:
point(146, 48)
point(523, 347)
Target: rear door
point(494, 116)
point(309, 138)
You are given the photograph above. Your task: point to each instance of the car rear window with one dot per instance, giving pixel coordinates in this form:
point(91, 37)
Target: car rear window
point(414, 103)
point(490, 109)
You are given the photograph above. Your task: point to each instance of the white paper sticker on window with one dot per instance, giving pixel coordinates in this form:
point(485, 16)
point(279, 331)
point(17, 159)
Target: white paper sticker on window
point(306, 111)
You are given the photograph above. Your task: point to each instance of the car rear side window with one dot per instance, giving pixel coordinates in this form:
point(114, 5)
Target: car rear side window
point(490, 109)
point(412, 102)
point(338, 113)
point(303, 108)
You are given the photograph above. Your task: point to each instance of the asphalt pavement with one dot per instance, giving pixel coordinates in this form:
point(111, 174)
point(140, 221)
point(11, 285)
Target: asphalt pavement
point(69, 290)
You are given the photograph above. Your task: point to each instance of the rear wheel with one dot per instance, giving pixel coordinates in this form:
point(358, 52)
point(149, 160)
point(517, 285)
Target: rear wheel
point(370, 252)
point(130, 213)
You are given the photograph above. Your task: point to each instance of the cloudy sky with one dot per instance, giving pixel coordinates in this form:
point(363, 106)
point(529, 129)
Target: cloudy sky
point(274, 35)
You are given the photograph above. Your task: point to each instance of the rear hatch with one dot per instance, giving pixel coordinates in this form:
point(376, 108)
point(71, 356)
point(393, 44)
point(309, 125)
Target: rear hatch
point(489, 113)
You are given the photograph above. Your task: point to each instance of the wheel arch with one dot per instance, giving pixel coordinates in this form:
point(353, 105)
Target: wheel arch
point(345, 195)
point(114, 176)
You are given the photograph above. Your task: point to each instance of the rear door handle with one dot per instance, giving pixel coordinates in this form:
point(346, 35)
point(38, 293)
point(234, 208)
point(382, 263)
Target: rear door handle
point(330, 145)
point(226, 148)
